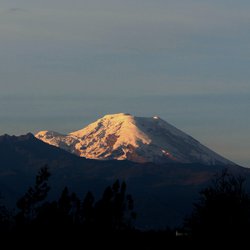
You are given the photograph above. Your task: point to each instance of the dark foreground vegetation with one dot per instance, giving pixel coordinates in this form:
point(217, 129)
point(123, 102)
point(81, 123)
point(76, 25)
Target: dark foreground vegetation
point(221, 214)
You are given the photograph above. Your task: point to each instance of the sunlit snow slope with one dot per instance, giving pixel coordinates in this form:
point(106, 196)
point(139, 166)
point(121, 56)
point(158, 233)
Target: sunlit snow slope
point(140, 139)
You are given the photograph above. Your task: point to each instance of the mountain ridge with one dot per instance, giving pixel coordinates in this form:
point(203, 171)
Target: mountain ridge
point(155, 188)
point(140, 139)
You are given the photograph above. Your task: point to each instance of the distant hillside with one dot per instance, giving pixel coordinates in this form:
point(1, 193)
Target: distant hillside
point(163, 193)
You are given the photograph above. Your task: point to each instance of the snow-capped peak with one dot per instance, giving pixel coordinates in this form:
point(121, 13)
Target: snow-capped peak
point(122, 126)
point(141, 139)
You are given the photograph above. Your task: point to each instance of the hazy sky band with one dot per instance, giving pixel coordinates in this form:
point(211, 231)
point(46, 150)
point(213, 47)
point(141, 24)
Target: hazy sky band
point(69, 62)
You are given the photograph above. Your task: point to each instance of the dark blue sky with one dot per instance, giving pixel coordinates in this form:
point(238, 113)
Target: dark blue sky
point(65, 63)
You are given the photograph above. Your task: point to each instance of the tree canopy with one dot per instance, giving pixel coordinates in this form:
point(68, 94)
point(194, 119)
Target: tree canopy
point(223, 209)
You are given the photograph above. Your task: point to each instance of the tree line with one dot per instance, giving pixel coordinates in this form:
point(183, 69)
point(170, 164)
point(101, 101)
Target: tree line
point(222, 212)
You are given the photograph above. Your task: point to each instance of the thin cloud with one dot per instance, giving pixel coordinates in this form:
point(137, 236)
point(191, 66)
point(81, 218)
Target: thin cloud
point(16, 10)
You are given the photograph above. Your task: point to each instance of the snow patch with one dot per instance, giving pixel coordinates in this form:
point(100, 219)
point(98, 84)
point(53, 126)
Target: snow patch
point(125, 137)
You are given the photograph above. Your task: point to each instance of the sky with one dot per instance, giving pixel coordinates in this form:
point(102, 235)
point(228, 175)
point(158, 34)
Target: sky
point(63, 64)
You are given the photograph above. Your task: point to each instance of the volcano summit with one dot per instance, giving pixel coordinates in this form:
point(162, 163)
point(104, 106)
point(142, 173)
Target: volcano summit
point(139, 139)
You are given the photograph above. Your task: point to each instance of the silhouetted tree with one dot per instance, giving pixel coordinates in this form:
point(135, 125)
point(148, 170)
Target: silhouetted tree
point(29, 203)
point(87, 211)
point(223, 209)
point(64, 207)
point(5, 218)
point(69, 207)
point(115, 210)
point(61, 215)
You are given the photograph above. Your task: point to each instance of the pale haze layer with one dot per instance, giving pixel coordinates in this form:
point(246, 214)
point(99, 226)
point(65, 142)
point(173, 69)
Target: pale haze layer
point(64, 64)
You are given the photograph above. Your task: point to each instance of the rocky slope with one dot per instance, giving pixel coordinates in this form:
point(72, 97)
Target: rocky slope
point(139, 139)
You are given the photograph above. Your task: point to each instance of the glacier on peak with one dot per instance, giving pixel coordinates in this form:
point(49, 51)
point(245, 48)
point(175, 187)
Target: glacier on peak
point(141, 139)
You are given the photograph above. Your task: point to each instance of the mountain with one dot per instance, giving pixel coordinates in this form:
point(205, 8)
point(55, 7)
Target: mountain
point(139, 139)
point(163, 193)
